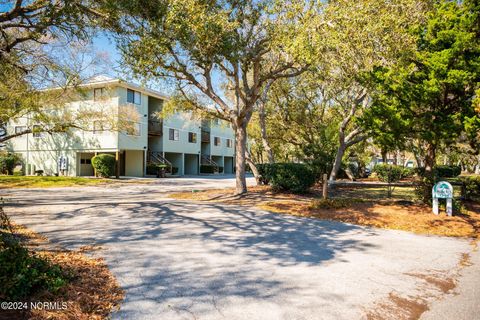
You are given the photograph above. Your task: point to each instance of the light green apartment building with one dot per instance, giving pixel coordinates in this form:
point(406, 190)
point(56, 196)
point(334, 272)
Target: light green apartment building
point(181, 140)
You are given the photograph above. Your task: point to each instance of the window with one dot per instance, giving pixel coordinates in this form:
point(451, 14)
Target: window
point(133, 129)
point(97, 126)
point(133, 96)
point(20, 129)
point(173, 134)
point(37, 131)
point(98, 93)
point(85, 161)
point(229, 143)
point(216, 121)
point(216, 141)
point(192, 137)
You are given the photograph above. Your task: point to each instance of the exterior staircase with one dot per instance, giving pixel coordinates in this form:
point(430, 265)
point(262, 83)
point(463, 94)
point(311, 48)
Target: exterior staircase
point(156, 158)
point(207, 160)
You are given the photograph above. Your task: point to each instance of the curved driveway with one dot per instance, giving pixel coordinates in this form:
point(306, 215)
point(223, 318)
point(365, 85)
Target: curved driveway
point(184, 260)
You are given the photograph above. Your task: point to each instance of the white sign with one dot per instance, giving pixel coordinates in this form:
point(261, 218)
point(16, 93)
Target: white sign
point(442, 190)
point(62, 164)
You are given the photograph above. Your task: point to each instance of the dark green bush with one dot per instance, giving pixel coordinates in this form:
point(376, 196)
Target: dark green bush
point(104, 164)
point(295, 177)
point(22, 272)
point(472, 187)
point(207, 168)
point(173, 170)
point(442, 171)
point(8, 162)
point(408, 172)
point(154, 168)
point(447, 171)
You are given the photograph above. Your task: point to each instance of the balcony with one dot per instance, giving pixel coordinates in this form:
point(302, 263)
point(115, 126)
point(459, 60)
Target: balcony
point(155, 128)
point(205, 125)
point(205, 136)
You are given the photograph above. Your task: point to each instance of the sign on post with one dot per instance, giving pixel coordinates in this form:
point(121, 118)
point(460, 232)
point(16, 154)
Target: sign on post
point(442, 190)
point(62, 165)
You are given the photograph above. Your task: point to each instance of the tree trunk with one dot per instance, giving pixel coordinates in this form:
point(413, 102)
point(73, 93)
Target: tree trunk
point(263, 132)
point(430, 160)
point(384, 156)
point(338, 161)
point(253, 167)
point(241, 148)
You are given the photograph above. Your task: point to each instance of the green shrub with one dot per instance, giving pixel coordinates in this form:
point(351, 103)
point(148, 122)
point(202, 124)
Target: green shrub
point(408, 172)
point(207, 168)
point(173, 170)
point(447, 171)
point(154, 168)
point(442, 171)
point(220, 169)
point(472, 187)
point(295, 177)
point(390, 174)
point(22, 272)
point(104, 164)
point(8, 162)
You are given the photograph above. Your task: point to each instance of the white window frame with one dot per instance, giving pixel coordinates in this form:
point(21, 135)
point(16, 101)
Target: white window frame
point(215, 141)
point(98, 97)
point(176, 134)
point(137, 97)
point(194, 137)
point(19, 129)
point(229, 143)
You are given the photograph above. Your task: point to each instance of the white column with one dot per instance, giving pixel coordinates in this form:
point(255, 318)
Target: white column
point(449, 207)
point(435, 205)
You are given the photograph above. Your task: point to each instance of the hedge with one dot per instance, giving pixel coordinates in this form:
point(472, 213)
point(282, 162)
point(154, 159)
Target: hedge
point(389, 173)
point(104, 165)
point(447, 171)
point(208, 168)
point(472, 186)
point(294, 177)
point(443, 171)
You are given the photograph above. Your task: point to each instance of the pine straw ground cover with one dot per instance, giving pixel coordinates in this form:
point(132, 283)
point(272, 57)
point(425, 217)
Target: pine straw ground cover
point(380, 213)
point(92, 292)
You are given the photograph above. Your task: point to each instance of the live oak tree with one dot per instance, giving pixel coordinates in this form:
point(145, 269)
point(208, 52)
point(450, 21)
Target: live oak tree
point(43, 42)
point(360, 36)
point(430, 96)
point(219, 53)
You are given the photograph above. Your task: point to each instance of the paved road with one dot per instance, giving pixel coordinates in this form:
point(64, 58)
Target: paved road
point(184, 260)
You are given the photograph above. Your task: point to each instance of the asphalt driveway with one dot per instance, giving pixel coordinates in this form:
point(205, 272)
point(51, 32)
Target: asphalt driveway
point(183, 260)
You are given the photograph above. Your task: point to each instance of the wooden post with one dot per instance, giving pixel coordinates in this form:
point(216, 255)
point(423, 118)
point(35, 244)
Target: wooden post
point(325, 186)
point(95, 170)
point(117, 164)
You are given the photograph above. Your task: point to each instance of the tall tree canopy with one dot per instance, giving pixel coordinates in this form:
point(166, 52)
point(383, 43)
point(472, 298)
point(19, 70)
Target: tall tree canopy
point(430, 95)
point(43, 43)
point(220, 53)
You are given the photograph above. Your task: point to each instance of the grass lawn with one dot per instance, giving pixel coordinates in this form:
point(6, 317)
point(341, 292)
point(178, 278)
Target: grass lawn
point(362, 206)
point(52, 181)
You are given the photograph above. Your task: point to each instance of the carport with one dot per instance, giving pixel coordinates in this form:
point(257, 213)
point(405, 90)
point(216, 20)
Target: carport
point(176, 159)
point(228, 164)
point(191, 163)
